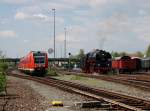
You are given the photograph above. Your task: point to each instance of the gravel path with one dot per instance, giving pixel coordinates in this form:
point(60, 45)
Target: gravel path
point(23, 97)
point(38, 97)
point(111, 86)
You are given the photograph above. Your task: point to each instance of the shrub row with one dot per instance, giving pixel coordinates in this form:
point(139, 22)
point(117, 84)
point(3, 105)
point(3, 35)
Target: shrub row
point(3, 68)
point(2, 81)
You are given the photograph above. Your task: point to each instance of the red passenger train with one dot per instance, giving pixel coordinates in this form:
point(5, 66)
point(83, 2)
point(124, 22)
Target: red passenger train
point(36, 62)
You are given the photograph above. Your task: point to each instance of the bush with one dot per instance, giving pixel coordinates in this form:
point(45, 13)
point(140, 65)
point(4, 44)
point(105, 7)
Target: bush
point(2, 81)
point(3, 67)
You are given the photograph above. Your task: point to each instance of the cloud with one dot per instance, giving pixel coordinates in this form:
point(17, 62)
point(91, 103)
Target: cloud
point(25, 41)
point(95, 3)
point(142, 12)
point(21, 16)
point(108, 24)
point(74, 35)
point(15, 1)
point(115, 24)
point(122, 30)
point(60, 37)
point(4, 20)
point(142, 28)
point(7, 34)
point(40, 17)
point(25, 16)
point(36, 17)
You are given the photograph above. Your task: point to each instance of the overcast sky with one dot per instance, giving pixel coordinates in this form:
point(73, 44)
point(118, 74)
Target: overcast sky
point(112, 25)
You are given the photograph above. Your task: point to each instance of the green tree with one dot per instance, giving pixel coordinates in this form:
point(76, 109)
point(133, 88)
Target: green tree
point(115, 54)
point(139, 54)
point(123, 54)
point(148, 51)
point(79, 55)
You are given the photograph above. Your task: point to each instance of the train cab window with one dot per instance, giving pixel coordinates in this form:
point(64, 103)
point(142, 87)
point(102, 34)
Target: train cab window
point(39, 58)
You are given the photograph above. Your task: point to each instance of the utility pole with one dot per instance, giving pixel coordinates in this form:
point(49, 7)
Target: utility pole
point(61, 51)
point(54, 31)
point(65, 44)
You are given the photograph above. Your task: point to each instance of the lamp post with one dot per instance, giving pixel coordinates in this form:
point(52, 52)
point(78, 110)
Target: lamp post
point(54, 31)
point(65, 44)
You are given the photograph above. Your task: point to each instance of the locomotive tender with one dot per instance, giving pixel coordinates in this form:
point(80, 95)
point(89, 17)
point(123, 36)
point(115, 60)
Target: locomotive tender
point(36, 62)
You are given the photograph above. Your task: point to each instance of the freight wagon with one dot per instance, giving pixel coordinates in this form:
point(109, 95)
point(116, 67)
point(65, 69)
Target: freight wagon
point(124, 64)
point(145, 64)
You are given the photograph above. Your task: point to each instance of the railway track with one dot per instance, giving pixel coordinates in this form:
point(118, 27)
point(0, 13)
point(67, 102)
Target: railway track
point(109, 100)
point(141, 82)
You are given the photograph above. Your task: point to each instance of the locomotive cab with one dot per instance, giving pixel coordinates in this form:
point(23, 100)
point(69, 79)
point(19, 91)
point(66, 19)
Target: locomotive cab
point(39, 61)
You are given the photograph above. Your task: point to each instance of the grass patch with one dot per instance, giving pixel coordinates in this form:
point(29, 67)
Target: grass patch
point(77, 77)
point(111, 73)
point(52, 72)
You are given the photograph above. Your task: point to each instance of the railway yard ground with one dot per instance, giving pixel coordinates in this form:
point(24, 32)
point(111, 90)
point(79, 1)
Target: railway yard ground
point(107, 85)
point(27, 95)
point(21, 97)
point(74, 55)
point(32, 96)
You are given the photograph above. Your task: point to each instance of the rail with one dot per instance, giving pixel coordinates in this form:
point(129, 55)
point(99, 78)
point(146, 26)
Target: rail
point(114, 100)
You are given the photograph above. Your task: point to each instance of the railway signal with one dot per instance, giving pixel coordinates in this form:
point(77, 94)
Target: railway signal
point(50, 50)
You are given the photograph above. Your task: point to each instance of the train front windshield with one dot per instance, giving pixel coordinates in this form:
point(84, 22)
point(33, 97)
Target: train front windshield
point(39, 58)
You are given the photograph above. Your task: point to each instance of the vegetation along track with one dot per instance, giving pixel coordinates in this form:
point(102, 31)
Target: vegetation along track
point(109, 100)
point(138, 81)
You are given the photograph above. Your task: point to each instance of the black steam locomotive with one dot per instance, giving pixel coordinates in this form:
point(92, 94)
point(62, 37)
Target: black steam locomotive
point(98, 61)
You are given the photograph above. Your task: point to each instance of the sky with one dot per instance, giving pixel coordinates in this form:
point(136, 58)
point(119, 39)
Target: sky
point(111, 25)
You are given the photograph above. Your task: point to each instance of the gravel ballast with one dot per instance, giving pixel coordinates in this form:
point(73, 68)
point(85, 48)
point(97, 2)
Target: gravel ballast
point(22, 97)
point(34, 96)
point(111, 86)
